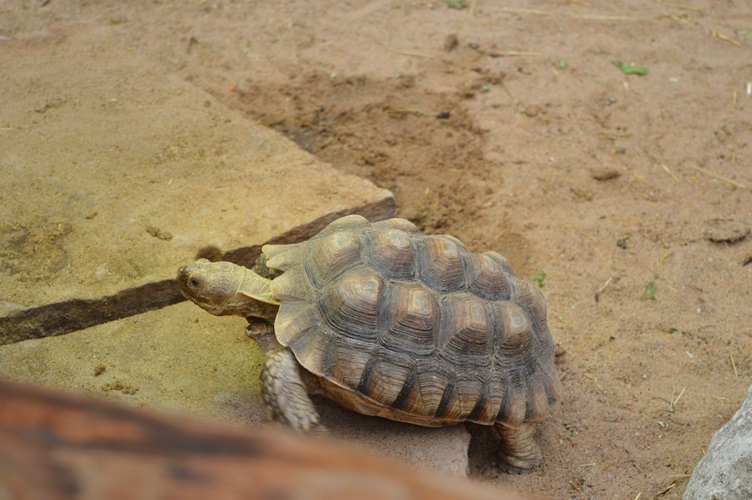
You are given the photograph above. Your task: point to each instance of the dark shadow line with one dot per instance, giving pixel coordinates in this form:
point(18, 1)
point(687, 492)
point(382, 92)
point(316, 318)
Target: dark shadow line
point(69, 316)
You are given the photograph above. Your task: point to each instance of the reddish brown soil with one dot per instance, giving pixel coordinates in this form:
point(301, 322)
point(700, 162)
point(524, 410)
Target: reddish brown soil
point(508, 125)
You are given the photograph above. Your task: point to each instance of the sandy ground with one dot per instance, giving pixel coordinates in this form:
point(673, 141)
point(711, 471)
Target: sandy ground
point(509, 125)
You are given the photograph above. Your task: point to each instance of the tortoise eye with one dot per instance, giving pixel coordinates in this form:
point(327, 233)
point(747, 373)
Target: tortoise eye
point(195, 282)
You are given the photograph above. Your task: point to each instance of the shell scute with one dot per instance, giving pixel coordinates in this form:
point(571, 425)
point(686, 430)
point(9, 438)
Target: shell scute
point(391, 253)
point(351, 305)
point(384, 377)
point(351, 361)
point(487, 278)
point(469, 391)
point(433, 381)
point(410, 318)
point(396, 223)
point(440, 263)
point(332, 255)
point(466, 329)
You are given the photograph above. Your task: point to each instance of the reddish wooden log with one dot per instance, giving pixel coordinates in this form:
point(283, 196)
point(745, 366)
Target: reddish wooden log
point(59, 445)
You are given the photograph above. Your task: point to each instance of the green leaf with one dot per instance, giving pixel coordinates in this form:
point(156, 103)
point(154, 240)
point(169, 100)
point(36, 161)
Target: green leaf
point(538, 278)
point(631, 68)
point(649, 292)
point(455, 4)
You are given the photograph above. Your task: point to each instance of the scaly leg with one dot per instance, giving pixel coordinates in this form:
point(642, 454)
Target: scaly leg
point(285, 393)
point(518, 447)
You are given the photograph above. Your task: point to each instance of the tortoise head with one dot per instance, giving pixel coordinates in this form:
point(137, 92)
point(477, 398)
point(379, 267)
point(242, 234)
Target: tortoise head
point(223, 288)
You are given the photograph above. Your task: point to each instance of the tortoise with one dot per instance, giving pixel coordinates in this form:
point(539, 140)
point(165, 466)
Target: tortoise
point(389, 322)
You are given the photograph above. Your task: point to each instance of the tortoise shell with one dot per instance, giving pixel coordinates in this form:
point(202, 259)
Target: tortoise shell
point(417, 328)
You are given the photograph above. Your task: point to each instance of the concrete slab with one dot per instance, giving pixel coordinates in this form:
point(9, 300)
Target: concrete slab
point(114, 173)
point(177, 358)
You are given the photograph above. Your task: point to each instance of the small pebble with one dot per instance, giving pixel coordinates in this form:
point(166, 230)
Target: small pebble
point(451, 42)
point(605, 173)
point(725, 230)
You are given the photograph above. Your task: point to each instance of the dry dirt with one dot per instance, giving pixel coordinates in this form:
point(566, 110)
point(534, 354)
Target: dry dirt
point(508, 125)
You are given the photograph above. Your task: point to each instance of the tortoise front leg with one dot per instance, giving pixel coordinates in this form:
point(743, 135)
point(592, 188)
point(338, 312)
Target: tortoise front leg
point(518, 446)
point(285, 393)
point(263, 333)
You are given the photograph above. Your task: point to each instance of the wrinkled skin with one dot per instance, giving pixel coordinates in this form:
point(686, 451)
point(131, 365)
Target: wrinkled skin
point(226, 289)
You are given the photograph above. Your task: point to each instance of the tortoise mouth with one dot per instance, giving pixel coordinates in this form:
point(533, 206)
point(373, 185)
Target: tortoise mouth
point(210, 308)
point(183, 278)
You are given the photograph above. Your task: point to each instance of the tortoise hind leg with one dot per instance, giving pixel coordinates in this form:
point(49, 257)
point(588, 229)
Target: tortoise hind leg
point(285, 393)
point(518, 446)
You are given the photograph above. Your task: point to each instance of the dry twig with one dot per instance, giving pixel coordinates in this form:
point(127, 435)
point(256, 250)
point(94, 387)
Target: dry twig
point(592, 17)
point(683, 7)
point(667, 488)
point(674, 401)
point(413, 54)
point(596, 382)
point(668, 253)
point(733, 365)
point(508, 53)
point(725, 38)
point(718, 176)
point(669, 172)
